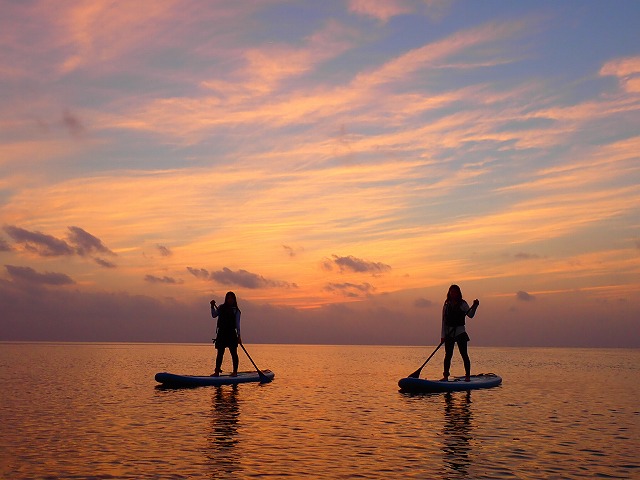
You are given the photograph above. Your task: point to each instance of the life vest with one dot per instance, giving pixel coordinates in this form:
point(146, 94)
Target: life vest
point(226, 319)
point(454, 316)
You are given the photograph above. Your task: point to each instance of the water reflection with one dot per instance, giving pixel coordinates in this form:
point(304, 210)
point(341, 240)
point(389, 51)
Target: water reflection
point(456, 433)
point(222, 456)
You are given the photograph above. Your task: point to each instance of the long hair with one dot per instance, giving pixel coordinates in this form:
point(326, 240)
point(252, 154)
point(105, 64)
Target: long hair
point(230, 300)
point(456, 289)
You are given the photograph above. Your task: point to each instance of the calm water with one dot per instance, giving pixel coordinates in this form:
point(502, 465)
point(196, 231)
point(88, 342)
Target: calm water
point(93, 411)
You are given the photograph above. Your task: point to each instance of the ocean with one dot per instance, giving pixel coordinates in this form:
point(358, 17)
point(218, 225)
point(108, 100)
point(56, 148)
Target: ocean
point(94, 411)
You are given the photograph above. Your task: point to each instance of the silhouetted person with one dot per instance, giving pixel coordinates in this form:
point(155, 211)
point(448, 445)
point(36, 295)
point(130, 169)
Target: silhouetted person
point(454, 312)
point(227, 331)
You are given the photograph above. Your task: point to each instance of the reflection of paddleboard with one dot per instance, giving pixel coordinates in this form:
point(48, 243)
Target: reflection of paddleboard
point(420, 385)
point(173, 380)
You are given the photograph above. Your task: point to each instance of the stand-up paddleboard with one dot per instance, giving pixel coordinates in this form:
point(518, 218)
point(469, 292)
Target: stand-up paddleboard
point(173, 380)
point(421, 385)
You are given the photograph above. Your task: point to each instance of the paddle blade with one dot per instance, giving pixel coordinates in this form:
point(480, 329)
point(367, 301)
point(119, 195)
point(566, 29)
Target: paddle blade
point(263, 377)
point(415, 374)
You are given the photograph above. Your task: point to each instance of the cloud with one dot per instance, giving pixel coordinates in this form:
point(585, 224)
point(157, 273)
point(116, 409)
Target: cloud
point(627, 70)
point(290, 251)
point(80, 242)
point(474, 43)
point(265, 68)
point(429, 127)
point(73, 124)
point(423, 303)
point(39, 243)
point(4, 245)
point(165, 279)
point(243, 278)
point(437, 9)
point(327, 265)
point(104, 263)
point(201, 273)
point(381, 10)
point(164, 251)
point(524, 296)
point(29, 275)
point(351, 290)
point(76, 315)
point(86, 243)
point(360, 266)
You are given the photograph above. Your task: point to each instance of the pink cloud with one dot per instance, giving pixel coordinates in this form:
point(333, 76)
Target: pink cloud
point(627, 70)
point(381, 10)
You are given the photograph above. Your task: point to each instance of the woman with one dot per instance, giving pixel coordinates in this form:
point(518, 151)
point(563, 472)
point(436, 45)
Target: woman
point(454, 312)
point(227, 331)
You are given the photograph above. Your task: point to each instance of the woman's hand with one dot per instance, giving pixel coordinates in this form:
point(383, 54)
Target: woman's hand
point(476, 302)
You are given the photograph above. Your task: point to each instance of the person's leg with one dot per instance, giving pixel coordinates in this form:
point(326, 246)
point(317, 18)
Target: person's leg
point(234, 359)
point(219, 357)
point(462, 347)
point(449, 343)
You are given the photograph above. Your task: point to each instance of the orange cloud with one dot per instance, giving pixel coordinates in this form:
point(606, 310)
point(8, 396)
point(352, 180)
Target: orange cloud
point(241, 99)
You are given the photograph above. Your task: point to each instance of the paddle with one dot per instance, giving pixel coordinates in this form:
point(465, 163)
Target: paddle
point(263, 377)
point(416, 374)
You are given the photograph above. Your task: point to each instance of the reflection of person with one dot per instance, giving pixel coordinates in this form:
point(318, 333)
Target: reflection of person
point(454, 312)
point(224, 459)
point(457, 432)
point(227, 331)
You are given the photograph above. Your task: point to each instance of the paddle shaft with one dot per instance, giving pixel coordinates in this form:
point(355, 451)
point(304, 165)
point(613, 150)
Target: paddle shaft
point(263, 377)
point(416, 374)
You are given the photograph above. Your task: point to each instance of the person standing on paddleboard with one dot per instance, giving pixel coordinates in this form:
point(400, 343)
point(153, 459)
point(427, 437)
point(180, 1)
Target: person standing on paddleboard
point(227, 331)
point(454, 312)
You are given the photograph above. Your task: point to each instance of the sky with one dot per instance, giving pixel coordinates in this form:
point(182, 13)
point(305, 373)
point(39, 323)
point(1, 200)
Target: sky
point(336, 164)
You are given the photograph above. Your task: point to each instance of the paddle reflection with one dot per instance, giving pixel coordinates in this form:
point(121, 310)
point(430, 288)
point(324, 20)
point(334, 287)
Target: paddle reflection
point(225, 414)
point(456, 433)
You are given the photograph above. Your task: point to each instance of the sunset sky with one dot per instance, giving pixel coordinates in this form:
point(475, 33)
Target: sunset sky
point(337, 164)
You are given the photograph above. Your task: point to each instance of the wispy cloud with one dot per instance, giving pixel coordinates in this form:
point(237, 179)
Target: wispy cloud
point(164, 251)
point(382, 10)
point(192, 117)
point(627, 70)
point(73, 124)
